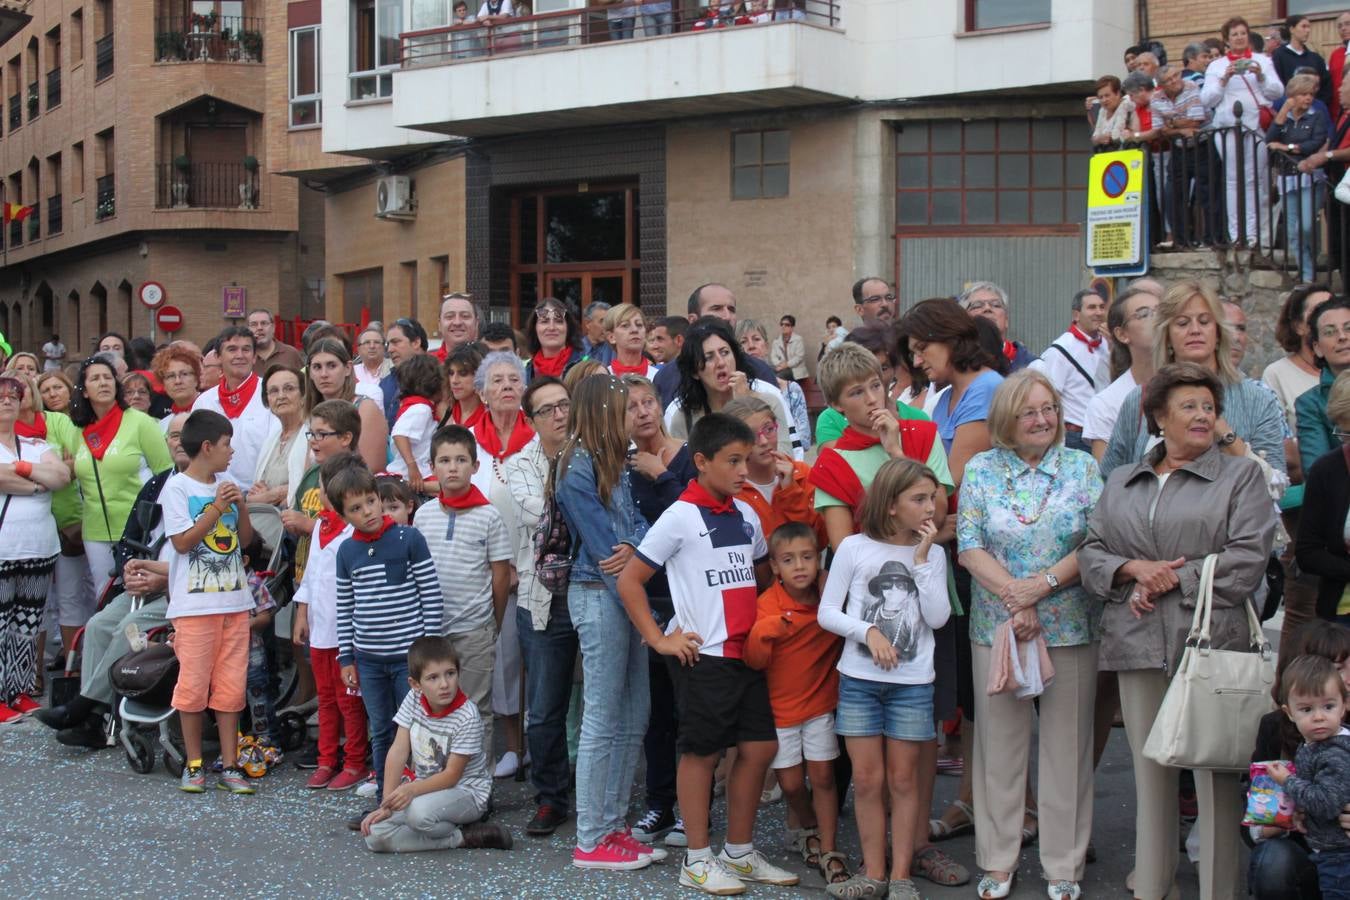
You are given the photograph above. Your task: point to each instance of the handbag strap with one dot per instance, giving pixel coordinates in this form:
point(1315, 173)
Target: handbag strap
point(1255, 99)
point(1204, 610)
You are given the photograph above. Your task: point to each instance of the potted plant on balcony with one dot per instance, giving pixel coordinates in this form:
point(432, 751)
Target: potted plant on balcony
point(253, 45)
point(248, 189)
point(203, 22)
point(182, 167)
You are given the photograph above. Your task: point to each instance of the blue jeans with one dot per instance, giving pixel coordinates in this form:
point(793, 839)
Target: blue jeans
point(1281, 869)
point(1333, 873)
point(614, 666)
point(656, 23)
point(1300, 218)
point(621, 29)
point(258, 691)
point(384, 684)
point(550, 656)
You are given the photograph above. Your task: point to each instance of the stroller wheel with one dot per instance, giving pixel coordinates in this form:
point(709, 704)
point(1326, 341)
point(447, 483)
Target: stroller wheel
point(141, 756)
point(173, 766)
point(292, 730)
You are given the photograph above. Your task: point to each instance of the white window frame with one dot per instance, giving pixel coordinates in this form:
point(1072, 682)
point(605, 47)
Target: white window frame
point(298, 99)
point(382, 75)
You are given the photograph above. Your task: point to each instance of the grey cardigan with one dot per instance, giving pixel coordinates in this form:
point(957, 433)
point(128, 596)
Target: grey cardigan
point(1215, 504)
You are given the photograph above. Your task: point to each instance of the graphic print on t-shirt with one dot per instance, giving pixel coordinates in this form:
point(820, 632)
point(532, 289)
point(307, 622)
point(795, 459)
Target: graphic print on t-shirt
point(214, 565)
point(727, 530)
point(893, 607)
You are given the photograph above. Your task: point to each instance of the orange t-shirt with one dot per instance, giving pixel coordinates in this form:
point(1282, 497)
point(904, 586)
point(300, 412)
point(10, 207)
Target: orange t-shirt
point(798, 658)
point(794, 503)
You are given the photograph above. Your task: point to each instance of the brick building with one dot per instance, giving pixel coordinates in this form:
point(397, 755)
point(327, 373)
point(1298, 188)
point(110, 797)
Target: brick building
point(1179, 22)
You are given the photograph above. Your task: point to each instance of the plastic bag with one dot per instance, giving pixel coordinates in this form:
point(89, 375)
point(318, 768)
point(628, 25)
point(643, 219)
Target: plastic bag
point(1267, 803)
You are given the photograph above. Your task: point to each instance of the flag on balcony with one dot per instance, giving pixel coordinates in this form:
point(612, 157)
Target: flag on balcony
point(16, 213)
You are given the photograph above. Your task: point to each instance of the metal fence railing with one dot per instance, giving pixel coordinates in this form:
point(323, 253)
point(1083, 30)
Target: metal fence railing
point(207, 186)
point(198, 37)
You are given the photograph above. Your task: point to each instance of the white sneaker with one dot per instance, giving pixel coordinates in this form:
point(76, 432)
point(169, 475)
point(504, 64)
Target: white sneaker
point(754, 867)
point(368, 788)
point(507, 765)
point(710, 877)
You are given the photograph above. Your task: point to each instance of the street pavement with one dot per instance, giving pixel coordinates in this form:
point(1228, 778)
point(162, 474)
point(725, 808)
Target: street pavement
point(79, 823)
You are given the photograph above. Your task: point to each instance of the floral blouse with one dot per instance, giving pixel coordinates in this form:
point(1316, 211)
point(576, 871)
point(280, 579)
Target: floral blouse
point(1053, 501)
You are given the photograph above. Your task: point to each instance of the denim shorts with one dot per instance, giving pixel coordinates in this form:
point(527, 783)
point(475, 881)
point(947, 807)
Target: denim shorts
point(902, 712)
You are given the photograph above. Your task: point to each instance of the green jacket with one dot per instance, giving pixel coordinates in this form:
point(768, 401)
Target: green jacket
point(64, 436)
point(137, 452)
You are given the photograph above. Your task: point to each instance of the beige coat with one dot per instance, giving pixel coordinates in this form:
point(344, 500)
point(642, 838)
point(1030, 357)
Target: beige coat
point(1215, 504)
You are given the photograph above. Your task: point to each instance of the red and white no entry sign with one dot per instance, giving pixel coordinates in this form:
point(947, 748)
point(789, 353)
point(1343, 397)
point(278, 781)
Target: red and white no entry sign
point(169, 318)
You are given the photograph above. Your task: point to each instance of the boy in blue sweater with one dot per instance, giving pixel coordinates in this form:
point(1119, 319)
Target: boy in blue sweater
point(387, 597)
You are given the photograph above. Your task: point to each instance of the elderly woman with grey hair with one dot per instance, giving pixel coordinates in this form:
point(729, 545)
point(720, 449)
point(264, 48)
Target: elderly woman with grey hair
point(501, 434)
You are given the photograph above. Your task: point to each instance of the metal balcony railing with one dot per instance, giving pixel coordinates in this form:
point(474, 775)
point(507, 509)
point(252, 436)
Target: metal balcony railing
point(34, 101)
point(207, 186)
point(105, 199)
point(54, 214)
point(209, 38)
point(501, 36)
point(53, 88)
point(103, 57)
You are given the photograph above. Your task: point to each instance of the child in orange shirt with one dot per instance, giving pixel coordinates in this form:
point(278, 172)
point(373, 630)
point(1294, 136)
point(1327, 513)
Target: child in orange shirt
point(777, 487)
point(799, 659)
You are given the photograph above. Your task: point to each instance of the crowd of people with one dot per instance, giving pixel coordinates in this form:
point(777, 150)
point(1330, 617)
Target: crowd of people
point(970, 540)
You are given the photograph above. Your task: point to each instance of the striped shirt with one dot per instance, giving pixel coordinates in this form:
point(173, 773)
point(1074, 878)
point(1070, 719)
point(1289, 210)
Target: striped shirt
point(464, 544)
point(433, 739)
point(387, 595)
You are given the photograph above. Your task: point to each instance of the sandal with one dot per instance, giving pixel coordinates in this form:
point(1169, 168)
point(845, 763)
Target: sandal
point(932, 864)
point(1030, 832)
point(834, 867)
point(904, 889)
point(857, 888)
point(938, 830)
point(990, 888)
point(1064, 890)
point(801, 842)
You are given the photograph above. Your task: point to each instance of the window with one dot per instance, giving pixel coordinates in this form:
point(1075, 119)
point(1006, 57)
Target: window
point(77, 169)
point(1290, 7)
point(1029, 172)
point(362, 290)
point(375, 47)
point(759, 164)
point(306, 108)
point(76, 37)
point(981, 14)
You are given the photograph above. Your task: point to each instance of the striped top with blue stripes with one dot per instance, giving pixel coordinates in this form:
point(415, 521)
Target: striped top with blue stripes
point(387, 595)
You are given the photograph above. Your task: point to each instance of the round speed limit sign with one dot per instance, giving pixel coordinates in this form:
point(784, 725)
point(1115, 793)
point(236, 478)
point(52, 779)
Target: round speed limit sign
point(152, 294)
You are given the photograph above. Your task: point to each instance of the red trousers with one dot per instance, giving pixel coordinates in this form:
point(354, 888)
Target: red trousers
point(340, 713)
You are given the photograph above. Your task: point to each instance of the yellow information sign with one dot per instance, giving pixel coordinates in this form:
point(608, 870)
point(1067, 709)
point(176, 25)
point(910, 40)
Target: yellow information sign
point(1115, 213)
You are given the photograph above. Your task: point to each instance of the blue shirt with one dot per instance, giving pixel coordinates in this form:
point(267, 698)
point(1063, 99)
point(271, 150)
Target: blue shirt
point(972, 407)
point(387, 594)
point(595, 526)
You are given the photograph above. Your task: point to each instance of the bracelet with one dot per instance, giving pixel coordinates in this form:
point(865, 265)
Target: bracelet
point(22, 468)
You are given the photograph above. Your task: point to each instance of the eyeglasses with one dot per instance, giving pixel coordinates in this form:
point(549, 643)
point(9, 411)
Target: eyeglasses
point(562, 406)
point(982, 305)
point(312, 436)
point(768, 432)
point(280, 389)
point(1146, 312)
point(879, 298)
point(550, 314)
point(1049, 412)
point(11, 395)
point(135, 391)
point(1330, 331)
point(180, 376)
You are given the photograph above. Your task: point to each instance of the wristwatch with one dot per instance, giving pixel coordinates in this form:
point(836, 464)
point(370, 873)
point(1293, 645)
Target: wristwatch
point(1228, 439)
point(1051, 580)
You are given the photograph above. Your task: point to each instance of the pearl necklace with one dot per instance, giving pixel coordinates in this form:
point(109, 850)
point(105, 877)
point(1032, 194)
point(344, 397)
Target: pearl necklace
point(1012, 493)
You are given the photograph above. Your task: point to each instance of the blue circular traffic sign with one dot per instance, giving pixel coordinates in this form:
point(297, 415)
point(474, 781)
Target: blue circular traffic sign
point(1115, 178)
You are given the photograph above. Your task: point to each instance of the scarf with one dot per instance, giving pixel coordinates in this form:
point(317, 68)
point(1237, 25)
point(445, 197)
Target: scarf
point(175, 409)
point(1092, 343)
point(454, 705)
point(1245, 54)
point(833, 475)
point(232, 403)
point(330, 526)
point(412, 400)
point(99, 436)
point(486, 434)
point(467, 500)
point(698, 495)
point(1009, 351)
point(620, 370)
point(38, 428)
point(545, 365)
point(371, 537)
point(457, 415)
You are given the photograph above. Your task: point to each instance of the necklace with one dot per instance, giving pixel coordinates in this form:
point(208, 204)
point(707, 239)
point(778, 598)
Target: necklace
point(1012, 495)
point(497, 471)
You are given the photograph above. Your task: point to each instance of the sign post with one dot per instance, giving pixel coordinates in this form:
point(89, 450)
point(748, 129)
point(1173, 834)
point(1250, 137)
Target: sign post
point(1117, 238)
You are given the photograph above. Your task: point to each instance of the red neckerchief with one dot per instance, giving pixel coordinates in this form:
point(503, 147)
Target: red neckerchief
point(1245, 54)
point(457, 415)
point(1092, 343)
point(489, 440)
point(853, 439)
point(414, 400)
point(1009, 350)
point(99, 436)
point(330, 526)
point(1145, 114)
point(37, 429)
point(175, 409)
point(441, 352)
point(467, 500)
point(369, 537)
point(454, 705)
point(233, 402)
point(698, 495)
point(551, 365)
point(620, 370)
point(833, 475)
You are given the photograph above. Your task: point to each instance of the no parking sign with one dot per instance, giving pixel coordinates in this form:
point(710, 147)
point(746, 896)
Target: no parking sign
point(1116, 238)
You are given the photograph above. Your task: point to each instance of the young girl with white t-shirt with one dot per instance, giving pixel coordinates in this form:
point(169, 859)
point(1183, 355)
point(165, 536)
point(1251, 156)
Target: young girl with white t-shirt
point(886, 593)
point(419, 388)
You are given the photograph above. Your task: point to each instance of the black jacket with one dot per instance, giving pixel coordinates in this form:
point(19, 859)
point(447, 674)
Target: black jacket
point(1320, 548)
point(133, 531)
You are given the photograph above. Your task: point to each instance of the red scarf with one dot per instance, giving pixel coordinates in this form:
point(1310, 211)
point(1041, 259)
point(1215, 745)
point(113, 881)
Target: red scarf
point(371, 537)
point(698, 495)
point(454, 705)
point(1009, 350)
point(175, 409)
point(38, 429)
point(457, 415)
point(441, 352)
point(99, 436)
point(489, 440)
point(414, 400)
point(620, 370)
point(1092, 343)
point(234, 402)
point(833, 475)
point(546, 365)
point(1245, 54)
point(330, 526)
point(853, 439)
point(1145, 114)
point(467, 500)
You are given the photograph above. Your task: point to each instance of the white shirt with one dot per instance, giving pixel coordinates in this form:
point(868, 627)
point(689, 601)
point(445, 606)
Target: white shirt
point(788, 441)
point(1289, 383)
point(464, 544)
point(318, 589)
point(54, 352)
point(210, 577)
point(28, 531)
point(1103, 408)
point(251, 429)
point(1244, 89)
point(1075, 390)
point(418, 424)
point(648, 373)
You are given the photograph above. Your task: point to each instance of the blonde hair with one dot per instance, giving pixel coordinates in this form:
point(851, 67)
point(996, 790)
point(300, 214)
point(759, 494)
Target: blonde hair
point(1008, 401)
point(617, 315)
point(1301, 84)
point(893, 478)
point(844, 365)
point(31, 401)
point(1170, 306)
point(9, 364)
point(750, 405)
point(580, 372)
point(1338, 401)
point(641, 383)
point(596, 424)
point(61, 377)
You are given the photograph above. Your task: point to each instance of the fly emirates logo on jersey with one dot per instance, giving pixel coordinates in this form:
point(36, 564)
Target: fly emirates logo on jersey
point(738, 571)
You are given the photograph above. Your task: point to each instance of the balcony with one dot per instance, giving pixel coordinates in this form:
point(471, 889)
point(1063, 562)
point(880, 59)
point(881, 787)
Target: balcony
point(573, 68)
point(207, 186)
point(15, 112)
point(208, 38)
point(54, 214)
point(53, 88)
point(105, 199)
point(34, 101)
point(103, 58)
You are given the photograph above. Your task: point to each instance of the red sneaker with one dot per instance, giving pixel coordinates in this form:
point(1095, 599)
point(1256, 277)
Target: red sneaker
point(348, 779)
point(626, 840)
point(24, 704)
point(609, 854)
point(8, 715)
point(321, 778)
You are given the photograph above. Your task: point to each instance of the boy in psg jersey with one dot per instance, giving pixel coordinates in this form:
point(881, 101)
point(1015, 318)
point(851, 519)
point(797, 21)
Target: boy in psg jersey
point(716, 560)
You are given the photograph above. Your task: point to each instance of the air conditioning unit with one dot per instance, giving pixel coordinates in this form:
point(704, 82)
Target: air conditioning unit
point(393, 198)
